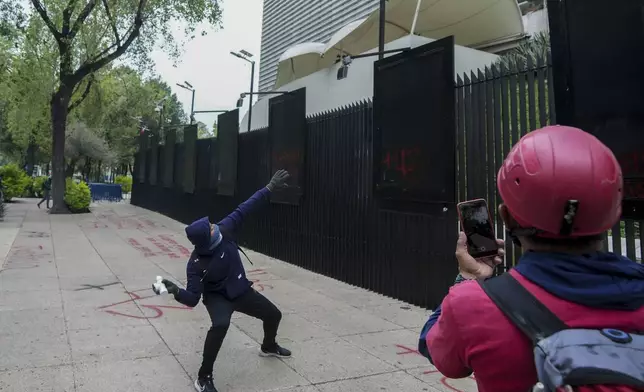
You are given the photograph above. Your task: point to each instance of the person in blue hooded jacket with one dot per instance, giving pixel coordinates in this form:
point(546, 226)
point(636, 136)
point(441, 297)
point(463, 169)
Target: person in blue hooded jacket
point(215, 271)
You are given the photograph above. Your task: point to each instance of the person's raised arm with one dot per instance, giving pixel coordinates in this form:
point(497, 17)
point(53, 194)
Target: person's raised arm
point(232, 223)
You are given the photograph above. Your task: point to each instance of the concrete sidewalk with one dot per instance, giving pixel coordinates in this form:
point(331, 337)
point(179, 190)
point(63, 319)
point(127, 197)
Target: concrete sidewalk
point(77, 314)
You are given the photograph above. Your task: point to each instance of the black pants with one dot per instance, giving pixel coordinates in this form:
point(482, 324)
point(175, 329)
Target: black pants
point(46, 197)
point(221, 309)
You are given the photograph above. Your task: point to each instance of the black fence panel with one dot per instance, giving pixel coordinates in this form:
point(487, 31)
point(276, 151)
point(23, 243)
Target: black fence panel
point(160, 165)
point(154, 159)
point(415, 124)
point(178, 166)
point(168, 162)
point(228, 151)
point(287, 138)
point(213, 162)
point(598, 61)
point(189, 158)
point(202, 177)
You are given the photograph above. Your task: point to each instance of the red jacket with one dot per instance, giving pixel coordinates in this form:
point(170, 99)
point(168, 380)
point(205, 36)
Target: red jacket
point(472, 334)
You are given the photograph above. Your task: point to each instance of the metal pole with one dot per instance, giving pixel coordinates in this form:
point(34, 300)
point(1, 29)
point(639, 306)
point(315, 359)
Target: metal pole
point(192, 107)
point(252, 84)
point(381, 35)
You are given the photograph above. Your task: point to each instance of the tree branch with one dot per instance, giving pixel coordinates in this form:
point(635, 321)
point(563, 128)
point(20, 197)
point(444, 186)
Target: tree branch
point(89, 7)
point(109, 16)
point(67, 15)
point(120, 49)
point(43, 14)
point(75, 104)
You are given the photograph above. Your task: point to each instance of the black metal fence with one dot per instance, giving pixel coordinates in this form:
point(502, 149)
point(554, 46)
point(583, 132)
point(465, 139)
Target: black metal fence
point(340, 229)
point(495, 107)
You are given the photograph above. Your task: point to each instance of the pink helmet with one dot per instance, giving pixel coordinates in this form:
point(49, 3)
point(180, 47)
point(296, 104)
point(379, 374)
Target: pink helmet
point(562, 182)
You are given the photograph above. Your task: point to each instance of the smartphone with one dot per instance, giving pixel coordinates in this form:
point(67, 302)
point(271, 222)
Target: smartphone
point(477, 224)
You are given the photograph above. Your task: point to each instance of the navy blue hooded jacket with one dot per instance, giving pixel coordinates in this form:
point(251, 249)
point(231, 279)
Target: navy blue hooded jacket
point(219, 270)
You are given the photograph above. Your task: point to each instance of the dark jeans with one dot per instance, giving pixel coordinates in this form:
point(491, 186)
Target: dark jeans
point(45, 197)
point(221, 309)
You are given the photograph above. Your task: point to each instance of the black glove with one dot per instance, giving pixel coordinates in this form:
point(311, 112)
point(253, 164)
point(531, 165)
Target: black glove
point(172, 288)
point(279, 180)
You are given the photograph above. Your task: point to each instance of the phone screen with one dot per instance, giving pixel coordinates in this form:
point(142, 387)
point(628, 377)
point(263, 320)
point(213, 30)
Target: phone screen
point(475, 222)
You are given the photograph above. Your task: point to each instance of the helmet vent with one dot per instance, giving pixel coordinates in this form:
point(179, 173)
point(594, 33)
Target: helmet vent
point(570, 212)
point(517, 181)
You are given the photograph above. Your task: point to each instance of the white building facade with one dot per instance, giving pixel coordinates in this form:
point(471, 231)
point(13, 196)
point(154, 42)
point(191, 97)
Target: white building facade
point(290, 22)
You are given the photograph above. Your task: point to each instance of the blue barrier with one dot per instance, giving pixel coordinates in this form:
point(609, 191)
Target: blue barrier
point(109, 192)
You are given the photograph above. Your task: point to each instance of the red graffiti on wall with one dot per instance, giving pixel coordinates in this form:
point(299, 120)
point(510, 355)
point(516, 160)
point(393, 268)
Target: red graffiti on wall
point(402, 160)
point(444, 380)
point(289, 160)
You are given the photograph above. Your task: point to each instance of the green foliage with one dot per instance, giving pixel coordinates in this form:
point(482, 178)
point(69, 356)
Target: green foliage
point(120, 103)
point(202, 131)
point(38, 186)
point(59, 56)
point(538, 46)
point(77, 196)
point(14, 181)
point(125, 182)
point(83, 142)
point(29, 189)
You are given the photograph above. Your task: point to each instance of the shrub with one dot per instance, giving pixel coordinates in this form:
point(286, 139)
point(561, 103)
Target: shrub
point(37, 187)
point(14, 181)
point(29, 189)
point(77, 196)
point(125, 182)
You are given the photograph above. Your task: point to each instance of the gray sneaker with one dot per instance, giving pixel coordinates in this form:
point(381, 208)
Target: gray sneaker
point(205, 384)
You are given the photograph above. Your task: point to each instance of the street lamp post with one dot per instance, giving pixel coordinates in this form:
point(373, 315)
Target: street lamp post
point(246, 56)
point(189, 87)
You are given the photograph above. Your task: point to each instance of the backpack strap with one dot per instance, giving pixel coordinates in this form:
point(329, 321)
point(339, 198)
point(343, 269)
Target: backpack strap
point(226, 236)
point(244, 253)
point(522, 308)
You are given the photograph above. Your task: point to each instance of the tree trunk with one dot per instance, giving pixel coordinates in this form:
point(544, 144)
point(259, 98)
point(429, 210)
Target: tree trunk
point(59, 111)
point(71, 168)
point(99, 175)
point(88, 169)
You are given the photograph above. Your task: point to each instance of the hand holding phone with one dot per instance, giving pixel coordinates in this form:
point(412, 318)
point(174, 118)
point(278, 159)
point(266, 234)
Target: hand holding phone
point(478, 251)
point(477, 225)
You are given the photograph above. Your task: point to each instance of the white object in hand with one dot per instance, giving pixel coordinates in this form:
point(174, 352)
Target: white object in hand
point(159, 287)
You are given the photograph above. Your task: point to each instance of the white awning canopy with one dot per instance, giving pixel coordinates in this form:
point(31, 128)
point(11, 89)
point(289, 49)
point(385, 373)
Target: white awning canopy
point(299, 61)
point(473, 23)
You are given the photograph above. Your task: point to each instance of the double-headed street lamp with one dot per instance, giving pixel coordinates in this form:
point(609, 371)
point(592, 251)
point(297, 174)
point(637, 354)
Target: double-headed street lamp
point(189, 87)
point(246, 56)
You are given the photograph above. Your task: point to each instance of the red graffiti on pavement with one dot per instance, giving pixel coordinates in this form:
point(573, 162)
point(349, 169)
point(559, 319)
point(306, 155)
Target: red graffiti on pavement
point(164, 248)
point(147, 252)
point(158, 309)
point(257, 282)
point(444, 380)
point(168, 239)
point(28, 253)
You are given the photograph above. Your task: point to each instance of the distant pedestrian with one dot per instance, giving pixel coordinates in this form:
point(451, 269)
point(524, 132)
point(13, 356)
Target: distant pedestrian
point(46, 190)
